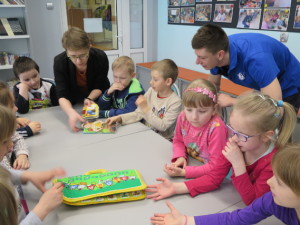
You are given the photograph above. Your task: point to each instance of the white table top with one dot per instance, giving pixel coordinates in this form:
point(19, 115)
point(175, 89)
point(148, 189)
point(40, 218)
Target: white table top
point(133, 147)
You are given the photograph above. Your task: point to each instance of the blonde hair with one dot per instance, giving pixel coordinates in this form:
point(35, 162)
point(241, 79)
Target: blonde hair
point(75, 39)
point(267, 115)
point(286, 165)
point(124, 62)
point(8, 206)
point(6, 97)
point(167, 68)
point(7, 123)
point(197, 99)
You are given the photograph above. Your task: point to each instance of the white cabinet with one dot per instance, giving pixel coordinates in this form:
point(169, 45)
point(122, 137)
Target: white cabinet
point(17, 44)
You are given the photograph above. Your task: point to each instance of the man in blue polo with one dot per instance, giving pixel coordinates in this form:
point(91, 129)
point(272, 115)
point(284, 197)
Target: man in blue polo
point(249, 59)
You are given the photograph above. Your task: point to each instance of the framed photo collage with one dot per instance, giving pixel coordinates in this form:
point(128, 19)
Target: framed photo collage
point(278, 15)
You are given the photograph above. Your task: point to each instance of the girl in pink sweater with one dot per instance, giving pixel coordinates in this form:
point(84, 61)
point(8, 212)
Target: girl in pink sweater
point(200, 132)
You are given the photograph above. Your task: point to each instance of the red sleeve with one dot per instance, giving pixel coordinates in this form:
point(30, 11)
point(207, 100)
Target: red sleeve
point(178, 144)
point(210, 181)
point(254, 184)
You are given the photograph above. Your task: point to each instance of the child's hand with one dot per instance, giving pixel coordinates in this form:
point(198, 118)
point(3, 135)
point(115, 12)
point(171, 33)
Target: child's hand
point(174, 171)
point(235, 156)
point(51, 199)
point(35, 127)
point(115, 87)
point(88, 102)
point(21, 162)
point(22, 122)
point(39, 179)
point(180, 162)
point(23, 87)
point(114, 119)
point(172, 218)
point(142, 103)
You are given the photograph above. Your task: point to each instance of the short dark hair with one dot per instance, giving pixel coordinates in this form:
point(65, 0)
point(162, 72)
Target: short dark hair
point(211, 37)
point(23, 64)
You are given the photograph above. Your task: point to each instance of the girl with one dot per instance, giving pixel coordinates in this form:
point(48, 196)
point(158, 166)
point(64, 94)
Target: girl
point(18, 158)
point(25, 127)
point(283, 201)
point(8, 207)
point(258, 126)
point(200, 132)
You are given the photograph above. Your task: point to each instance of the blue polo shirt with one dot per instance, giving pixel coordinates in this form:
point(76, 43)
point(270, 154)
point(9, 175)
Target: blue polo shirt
point(257, 59)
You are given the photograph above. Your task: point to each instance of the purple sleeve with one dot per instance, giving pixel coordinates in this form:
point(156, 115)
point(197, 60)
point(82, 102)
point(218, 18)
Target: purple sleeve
point(260, 209)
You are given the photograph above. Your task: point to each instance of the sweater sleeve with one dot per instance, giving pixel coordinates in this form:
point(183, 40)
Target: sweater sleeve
point(20, 101)
point(210, 181)
point(178, 144)
point(53, 95)
point(31, 219)
point(251, 190)
point(169, 118)
point(260, 209)
point(217, 142)
point(20, 147)
point(25, 131)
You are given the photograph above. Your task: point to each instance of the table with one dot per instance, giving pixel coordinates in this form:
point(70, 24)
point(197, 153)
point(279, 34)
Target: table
point(133, 147)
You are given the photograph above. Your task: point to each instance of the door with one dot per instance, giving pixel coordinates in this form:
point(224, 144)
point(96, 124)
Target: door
point(115, 26)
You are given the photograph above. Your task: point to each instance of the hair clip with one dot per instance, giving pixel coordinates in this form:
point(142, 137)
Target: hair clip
point(279, 103)
point(204, 91)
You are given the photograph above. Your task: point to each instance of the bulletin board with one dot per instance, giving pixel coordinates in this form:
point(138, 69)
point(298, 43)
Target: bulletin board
point(276, 15)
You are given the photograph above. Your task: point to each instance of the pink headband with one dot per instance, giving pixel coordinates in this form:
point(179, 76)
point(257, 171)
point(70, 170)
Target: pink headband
point(204, 91)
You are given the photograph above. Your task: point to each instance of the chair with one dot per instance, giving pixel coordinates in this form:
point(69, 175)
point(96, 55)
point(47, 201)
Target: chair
point(175, 88)
point(50, 80)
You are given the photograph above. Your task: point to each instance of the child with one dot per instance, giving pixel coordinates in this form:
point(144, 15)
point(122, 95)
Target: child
point(8, 207)
point(25, 127)
point(200, 132)
point(32, 92)
point(283, 201)
point(123, 93)
point(160, 106)
point(258, 126)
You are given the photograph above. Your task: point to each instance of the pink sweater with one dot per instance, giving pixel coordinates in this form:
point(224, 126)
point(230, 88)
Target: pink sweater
point(207, 142)
point(250, 185)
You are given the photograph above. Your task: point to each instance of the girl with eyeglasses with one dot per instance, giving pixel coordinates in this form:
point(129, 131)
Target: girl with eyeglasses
point(258, 126)
point(80, 73)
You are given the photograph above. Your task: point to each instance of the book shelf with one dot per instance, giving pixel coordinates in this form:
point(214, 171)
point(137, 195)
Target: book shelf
point(14, 43)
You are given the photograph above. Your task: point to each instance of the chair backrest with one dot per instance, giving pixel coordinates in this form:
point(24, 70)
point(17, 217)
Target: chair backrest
point(175, 88)
point(50, 80)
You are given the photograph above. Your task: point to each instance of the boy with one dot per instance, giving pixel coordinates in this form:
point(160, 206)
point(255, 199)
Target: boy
point(32, 92)
point(160, 106)
point(123, 93)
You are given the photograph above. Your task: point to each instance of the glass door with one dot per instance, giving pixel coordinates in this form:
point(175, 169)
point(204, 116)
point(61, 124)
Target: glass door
point(114, 26)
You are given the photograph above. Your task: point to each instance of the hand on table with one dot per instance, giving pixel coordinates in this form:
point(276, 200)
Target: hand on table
point(35, 127)
point(114, 119)
point(161, 190)
point(173, 171)
point(22, 122)
point(174, 217)
point(74, 117)
point(21, 162)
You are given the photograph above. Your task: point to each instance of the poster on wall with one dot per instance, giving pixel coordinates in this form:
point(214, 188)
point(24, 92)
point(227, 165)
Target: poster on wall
point(276, 15)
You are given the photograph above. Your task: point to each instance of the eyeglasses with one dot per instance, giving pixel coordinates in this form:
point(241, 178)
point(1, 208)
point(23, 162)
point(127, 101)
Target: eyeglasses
point(81, 57)
point(240, 136)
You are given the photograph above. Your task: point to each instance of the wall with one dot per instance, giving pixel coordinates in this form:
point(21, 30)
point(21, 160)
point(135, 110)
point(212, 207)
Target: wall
point(174, 41)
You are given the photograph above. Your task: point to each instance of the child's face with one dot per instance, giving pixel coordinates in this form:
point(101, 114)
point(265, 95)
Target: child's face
point(199, 116)
point(31, 78)
point(122, 76)
point(158, 83)
point(241, 130)
point(283, 194)
point(5, 147)
point(206, 59)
